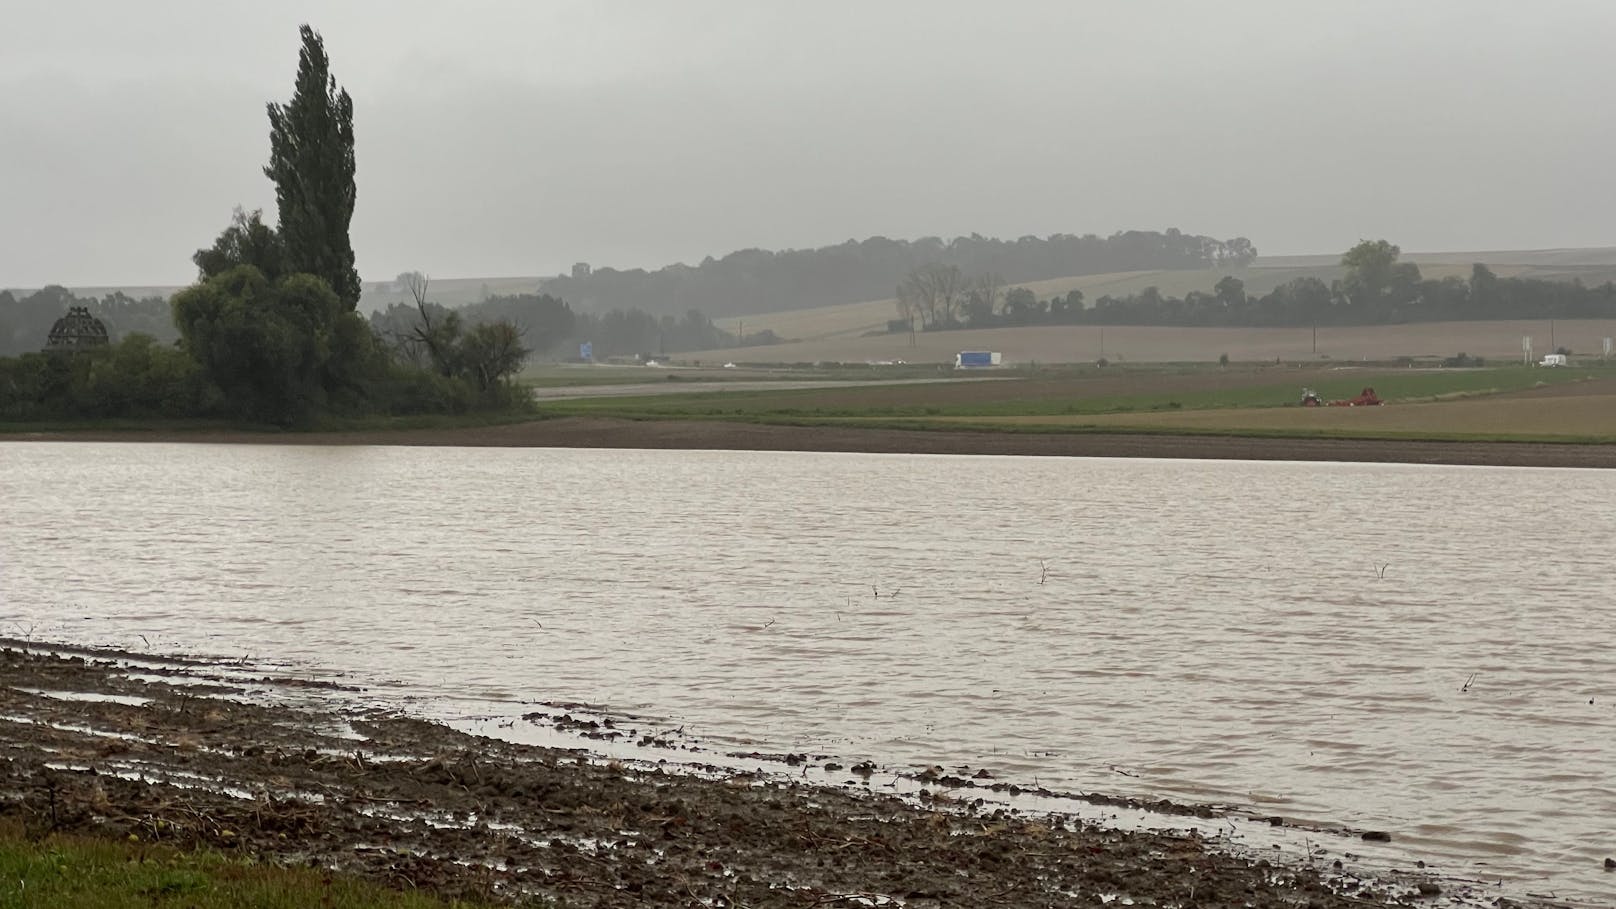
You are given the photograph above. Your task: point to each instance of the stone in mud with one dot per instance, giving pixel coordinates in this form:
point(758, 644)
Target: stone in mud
point(1276, 821)
point(1427, 888)
point(1610, 864)
point(1377, 836)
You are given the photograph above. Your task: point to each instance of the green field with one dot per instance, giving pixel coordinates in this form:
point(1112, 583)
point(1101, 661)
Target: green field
point(1078, 391)
point(73, 873)
point(1571, 418)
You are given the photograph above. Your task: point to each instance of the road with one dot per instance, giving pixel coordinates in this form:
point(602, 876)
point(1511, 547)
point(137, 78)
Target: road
point(575, 392)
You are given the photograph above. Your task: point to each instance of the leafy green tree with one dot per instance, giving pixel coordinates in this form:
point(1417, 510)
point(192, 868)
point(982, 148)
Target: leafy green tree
point(1369, 268)
point(491, 353)
point(1020, 306)
point(138, 377)
point(485, 354)
point(311, 162)
point(1230, 291)
point(247, 241)
point(267, 346)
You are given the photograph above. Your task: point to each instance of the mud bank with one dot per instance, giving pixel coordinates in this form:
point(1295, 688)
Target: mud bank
point(598, 432)
point(127, 746)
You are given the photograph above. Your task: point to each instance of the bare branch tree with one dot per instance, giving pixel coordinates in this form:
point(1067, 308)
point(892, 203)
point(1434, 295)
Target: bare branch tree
point(934, 292)
point(982, 297)
point(436, 340)
point(987, 290)
point(908, 303)
point(948, 290)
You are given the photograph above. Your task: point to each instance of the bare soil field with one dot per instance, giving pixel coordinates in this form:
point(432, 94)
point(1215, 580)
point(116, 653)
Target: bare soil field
point(1159, 344)
point(187, 755)
point(599, 432)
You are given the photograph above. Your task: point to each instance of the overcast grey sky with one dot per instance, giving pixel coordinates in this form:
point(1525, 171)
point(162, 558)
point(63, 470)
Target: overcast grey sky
point(511, 138)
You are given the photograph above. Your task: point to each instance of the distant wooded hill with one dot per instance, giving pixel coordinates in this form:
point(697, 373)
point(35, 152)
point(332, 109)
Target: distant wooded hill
point(760, 281)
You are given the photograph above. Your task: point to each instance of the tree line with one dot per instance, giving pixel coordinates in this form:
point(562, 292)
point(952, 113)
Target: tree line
point(1376, 289)
point(549, 325)
point(758, 280)
point(26, 320)
point(269, 332)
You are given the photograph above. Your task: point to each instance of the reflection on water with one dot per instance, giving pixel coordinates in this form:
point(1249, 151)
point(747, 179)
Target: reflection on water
point(1290, 637)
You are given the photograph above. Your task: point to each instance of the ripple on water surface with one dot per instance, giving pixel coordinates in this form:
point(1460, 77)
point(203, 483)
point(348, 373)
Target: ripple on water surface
point(1422, 649)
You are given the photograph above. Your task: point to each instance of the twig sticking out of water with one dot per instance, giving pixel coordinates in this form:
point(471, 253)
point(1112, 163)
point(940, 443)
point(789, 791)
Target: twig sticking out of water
point(1468, 682)
point(1381, 571)
point(1043, 572)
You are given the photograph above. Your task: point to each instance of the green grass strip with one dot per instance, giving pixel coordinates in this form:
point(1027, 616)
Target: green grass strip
point(74, 873)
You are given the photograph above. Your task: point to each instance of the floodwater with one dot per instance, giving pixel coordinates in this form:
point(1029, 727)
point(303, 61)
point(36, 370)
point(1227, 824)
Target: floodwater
point(1425, 650)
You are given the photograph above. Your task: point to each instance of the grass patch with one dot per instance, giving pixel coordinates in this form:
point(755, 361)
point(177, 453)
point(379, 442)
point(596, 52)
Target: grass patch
point(75, 873)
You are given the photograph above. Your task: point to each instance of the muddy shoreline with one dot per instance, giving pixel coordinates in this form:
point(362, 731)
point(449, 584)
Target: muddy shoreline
point(190, 754)
point(600, 432)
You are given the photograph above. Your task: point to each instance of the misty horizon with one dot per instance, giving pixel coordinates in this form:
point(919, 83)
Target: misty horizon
point(512, 140)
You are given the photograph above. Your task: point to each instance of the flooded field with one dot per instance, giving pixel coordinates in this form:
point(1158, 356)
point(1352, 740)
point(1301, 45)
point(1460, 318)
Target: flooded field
point(1421, 650)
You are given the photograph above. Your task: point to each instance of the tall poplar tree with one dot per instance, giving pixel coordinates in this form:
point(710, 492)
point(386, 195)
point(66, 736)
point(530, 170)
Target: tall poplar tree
point(311, 161)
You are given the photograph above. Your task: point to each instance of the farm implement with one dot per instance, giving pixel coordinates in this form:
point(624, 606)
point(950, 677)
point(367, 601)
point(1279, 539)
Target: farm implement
point(1365, 398)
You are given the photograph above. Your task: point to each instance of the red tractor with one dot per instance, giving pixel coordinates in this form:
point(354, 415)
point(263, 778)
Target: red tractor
point(1365, 398)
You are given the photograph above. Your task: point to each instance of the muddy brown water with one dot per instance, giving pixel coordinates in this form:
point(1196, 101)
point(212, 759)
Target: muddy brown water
point(1424, 650)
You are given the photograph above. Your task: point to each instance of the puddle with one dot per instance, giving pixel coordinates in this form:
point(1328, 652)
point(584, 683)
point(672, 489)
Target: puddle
point(94, 697)
point(82, 730)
